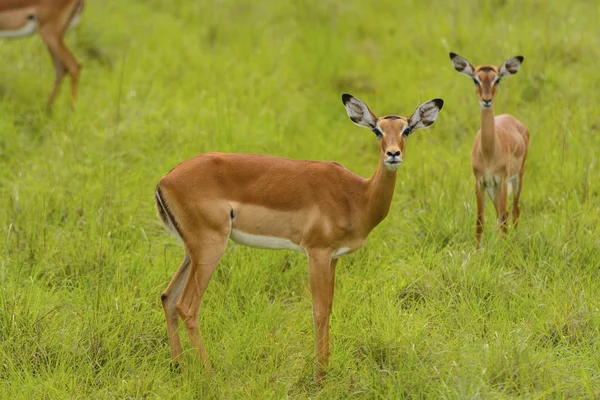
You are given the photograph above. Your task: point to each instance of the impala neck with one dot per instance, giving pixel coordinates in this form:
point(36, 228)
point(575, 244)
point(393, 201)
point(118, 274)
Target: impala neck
point(379, 193)
point(488, 133)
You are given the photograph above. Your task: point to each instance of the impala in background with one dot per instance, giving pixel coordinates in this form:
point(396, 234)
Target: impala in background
point(319, 208)
point(51, 18)
point(500, 148)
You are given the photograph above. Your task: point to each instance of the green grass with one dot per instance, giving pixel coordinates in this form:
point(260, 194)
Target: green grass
point(417, 313)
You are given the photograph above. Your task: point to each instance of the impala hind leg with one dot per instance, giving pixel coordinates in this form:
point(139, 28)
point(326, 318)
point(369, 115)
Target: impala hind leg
point(480, 196)
point(54, 41)
point(322, 279)
point(205, 253)
point(60, 69)
point(169, 300)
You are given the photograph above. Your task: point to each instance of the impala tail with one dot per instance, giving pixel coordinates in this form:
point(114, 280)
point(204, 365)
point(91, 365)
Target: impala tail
point(166, 216)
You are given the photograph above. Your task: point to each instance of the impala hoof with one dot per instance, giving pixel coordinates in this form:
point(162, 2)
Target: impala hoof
point(176, 367)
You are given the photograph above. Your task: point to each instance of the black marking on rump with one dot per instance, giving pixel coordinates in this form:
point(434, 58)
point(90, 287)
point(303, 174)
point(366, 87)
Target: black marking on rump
point(31, 17)
point(232, 214)
point(163, 297)
point(165, 214)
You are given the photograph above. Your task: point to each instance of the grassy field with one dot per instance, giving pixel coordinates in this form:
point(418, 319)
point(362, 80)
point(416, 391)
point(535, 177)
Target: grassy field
point(417, 313)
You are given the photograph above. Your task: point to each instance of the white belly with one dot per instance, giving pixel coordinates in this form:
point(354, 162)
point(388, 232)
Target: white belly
point(341, 252)
point(27, 30)
point(263, 242)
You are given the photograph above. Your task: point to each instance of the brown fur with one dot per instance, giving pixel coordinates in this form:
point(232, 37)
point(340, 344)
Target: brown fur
point(319, 206)
point(500, 147)
point(53, 18)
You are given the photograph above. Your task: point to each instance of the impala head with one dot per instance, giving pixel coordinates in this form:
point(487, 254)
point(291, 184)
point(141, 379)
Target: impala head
point(392, 131)
point(486, 77)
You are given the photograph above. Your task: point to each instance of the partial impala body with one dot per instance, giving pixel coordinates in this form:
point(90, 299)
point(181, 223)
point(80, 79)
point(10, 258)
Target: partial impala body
point(318, 208)
point(51, 18)
point(500, 147)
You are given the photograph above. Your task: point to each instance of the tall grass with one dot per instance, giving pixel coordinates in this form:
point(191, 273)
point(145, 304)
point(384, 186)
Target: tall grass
point(417, 313)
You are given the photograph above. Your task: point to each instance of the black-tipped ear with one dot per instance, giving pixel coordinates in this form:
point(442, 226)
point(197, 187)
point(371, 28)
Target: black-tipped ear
point(510, 67)
point(462, 65)
point(425, 115)
point(358, 112)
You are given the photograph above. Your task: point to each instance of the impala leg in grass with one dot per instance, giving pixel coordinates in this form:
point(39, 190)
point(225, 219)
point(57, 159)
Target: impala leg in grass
point(319, 208)
point(500, 148)
point(51, 18)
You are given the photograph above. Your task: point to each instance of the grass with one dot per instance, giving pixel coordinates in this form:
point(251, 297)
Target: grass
point(417, 313)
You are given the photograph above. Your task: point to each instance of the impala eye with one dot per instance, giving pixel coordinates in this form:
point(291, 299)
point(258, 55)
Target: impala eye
point(476, 81)
point(406, 132)
point(377, 132)
point(496, 81)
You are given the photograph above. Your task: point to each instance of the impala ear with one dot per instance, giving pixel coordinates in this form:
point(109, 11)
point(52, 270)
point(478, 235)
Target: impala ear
point(425, 115)
point(510, 67)
point(358, 112)
point(462, 65)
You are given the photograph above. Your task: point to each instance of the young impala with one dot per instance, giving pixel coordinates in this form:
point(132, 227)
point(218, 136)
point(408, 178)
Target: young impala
point(500, 147)
point(51, 18)
point(319, 208)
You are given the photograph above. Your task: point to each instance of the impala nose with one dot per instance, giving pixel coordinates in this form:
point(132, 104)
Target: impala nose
point(395, 154)
point(486, 103)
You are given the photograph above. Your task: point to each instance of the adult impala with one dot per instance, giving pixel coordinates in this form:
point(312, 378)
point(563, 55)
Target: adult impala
point(51, 18)
point(318, 208)
point(500, 148)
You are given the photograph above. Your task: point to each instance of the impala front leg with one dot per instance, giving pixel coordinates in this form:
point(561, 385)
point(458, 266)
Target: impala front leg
point(322, 278)
point(501, 202)
point(480, 212)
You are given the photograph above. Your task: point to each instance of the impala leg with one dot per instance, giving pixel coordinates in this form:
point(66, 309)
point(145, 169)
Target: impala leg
point(322, 278)
point(500, 202)
point(60, 69)
point(169, 301)
point(516, 212)
point(480, 196)
point(57, 48)
point(205, 253)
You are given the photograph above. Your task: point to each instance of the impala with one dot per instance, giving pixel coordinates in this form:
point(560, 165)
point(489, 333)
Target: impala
point(51, 18)
point(319, 208)
point(500, 148)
